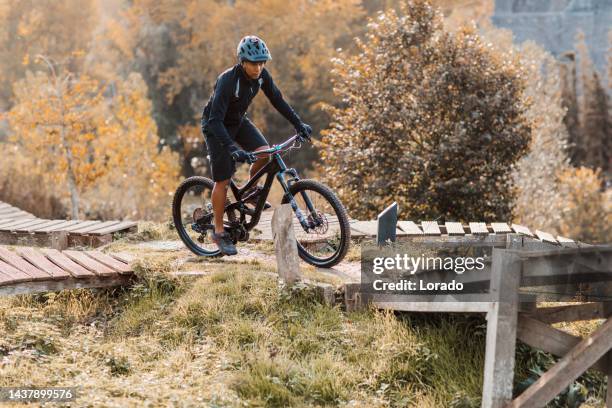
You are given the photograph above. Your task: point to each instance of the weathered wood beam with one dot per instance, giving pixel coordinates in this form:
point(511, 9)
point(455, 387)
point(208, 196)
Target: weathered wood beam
point(582, 356)
point(70, 283)
point(544, 337)
point(501, 327)
point(569, 313)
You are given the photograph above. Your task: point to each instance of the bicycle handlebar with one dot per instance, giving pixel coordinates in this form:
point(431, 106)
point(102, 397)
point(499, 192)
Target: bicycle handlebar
point(276, 148)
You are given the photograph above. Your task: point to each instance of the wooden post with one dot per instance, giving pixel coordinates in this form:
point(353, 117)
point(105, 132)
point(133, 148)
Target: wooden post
point(59, 240)
point(386, 225)
point(607, 311)
point(287, 259)
point(501, 329)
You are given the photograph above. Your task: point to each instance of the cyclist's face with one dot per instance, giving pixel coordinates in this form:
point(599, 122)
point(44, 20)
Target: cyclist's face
point(253, 69)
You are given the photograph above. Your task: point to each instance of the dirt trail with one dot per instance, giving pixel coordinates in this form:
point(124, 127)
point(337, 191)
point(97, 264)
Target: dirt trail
point(346, 271)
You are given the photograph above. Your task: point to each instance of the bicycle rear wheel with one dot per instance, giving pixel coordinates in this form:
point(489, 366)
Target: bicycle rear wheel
point(326, 243)
point(193, 216)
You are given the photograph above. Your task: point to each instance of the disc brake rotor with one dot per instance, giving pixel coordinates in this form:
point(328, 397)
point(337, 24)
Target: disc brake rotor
point(321, 224)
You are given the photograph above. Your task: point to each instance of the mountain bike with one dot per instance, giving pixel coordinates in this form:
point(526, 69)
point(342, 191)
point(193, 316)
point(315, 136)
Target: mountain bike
point(321, 222)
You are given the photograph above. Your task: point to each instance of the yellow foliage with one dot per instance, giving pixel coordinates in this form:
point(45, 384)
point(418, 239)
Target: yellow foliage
point(139, 180)
point(108, 146)
point(55, 28)
point(586, 208)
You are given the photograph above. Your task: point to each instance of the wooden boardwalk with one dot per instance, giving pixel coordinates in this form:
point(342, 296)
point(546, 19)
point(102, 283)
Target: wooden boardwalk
point(8, 211)
point(452, 231)
point(18, 227)
point(30, 270)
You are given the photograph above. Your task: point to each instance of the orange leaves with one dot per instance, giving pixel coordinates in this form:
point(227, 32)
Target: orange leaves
point(67, 128)
point(587, 208)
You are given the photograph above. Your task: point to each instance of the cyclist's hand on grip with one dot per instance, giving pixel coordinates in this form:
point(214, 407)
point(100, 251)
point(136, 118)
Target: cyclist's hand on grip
point(303, 131)
point(241, 156)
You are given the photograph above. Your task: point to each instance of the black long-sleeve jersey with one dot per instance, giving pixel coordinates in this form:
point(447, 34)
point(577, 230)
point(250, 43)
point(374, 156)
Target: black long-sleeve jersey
point(231, 97)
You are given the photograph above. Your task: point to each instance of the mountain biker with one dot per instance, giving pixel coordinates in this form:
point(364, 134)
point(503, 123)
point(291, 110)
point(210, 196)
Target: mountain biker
point(230, 135)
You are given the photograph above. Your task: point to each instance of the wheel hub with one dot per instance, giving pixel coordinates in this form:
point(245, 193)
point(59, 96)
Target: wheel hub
point(320, 223)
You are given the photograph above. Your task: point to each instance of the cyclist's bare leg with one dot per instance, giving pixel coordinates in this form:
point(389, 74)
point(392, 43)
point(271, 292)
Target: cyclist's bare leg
point(219, 195)
point(262, 161)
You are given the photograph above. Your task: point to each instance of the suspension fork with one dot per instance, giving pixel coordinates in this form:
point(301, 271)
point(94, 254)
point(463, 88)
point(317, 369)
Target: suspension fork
point(286, 184)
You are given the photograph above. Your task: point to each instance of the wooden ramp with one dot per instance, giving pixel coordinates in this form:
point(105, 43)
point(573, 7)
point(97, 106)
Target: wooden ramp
point(30, 270)
point(61, 233)
point(8, 211)
point(432, 230)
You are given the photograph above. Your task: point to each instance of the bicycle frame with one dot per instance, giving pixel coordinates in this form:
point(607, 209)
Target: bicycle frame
point(275, 167)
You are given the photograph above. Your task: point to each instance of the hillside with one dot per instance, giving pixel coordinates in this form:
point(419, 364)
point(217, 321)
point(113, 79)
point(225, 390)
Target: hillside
point(228, 336)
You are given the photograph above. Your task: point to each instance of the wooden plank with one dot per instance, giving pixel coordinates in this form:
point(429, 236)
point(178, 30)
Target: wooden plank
point(566, 242)
point(387, 225)
point(80, 224)
point(545, 236)
point(116, 228)
point(15, 223)
point(568, 313)
point(89, 263)
point(519, 229)
point(13, 274)
point(12, 210)
point(369, 228)
point(436, 307)
point(67, 264)
point(478, 228)
point(500, 228)
point(109, 261)
point(26, 227)
point(57, 227)
point(49, 223)
point(5, 279)
point(6, 221)
point(410, 228)
point(430, 228)
point(91, 228)
point(454, 228)
point(567, 252)
point(18, 262)
point(57, 285)
point(501, 327)
point(607, 310)
point(571, 366)
point(544, 337)
point(123, 257)
point(39, 260)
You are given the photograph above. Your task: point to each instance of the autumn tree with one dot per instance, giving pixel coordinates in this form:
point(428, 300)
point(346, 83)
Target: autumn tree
point(586, 209)
point(180, 48)
point(140, 176)
point(569, 100)
point(595, 121)
point(52, 121)
point(54, 28)
point(431, 119)
point(536, 176)
point(102, 150)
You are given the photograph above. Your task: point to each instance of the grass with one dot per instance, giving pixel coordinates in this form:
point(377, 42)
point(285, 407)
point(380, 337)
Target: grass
point(232, 338)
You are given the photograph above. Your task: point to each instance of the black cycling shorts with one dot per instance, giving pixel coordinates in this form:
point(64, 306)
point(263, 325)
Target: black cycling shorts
point(246, 135)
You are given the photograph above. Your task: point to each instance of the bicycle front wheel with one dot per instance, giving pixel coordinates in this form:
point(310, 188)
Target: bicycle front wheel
point(326, 241)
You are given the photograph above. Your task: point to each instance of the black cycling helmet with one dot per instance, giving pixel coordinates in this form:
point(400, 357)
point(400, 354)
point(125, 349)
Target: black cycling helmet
point(252, 48)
